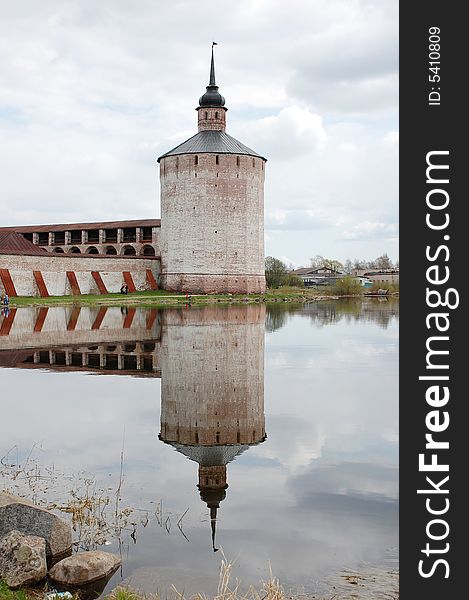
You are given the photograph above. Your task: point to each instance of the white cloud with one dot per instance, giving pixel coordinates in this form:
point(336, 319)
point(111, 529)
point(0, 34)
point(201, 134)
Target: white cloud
point(292, 132)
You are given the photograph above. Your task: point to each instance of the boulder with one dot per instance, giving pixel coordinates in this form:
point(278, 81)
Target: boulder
point(22, 515)
point(22, 559)
point(84, 567)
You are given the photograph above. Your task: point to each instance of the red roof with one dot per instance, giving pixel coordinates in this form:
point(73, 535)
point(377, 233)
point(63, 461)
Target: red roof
point(14, 243)
point(75, 226)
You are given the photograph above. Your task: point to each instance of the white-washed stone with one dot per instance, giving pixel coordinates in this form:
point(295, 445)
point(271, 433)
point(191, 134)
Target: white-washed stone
point(84, 567)
point(22, 515)
point(22, 559)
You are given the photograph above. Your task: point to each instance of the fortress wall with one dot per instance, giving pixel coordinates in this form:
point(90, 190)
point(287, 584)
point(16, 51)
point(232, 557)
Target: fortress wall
point(54, 268)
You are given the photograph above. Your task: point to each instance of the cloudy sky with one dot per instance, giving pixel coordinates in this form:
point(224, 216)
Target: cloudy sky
point(93, 92)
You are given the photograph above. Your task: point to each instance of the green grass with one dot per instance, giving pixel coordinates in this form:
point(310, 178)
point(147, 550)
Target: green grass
point(7, 594)
point(164, 298)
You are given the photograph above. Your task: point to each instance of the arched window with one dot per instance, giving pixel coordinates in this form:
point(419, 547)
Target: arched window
point(129, 251)
point(75, 250)
point(148, 250)
point(111, 250)
point(58, 250)
point(91, 250)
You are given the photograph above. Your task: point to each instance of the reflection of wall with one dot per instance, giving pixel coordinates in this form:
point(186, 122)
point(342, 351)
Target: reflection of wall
point(212, 390)
point(139, 359)
point(34, 327)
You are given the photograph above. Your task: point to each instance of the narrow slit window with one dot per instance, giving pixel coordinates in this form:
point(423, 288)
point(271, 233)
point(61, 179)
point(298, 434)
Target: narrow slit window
point(217, 159)
point(216, 115)
point(237, 161)
point(253, 162)
point(196, 160)
point(206, 114)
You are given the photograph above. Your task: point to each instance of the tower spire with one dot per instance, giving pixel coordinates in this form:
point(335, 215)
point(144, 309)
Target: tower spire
point(213, 524)
point(212, 97)
point(212, 68)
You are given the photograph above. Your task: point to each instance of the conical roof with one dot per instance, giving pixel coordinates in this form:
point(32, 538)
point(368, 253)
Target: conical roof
point(211, 142)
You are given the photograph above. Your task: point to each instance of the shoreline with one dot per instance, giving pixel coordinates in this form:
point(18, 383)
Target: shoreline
point(164, 299)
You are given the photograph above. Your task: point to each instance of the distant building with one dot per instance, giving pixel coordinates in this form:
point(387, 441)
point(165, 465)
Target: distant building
point(379, 275)
point(318, 275)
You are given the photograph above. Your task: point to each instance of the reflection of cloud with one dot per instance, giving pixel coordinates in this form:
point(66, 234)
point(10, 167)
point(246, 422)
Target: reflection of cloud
point(293, 451)
point(370, 481)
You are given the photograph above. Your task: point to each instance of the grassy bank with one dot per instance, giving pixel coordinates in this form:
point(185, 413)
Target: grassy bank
point(164, 298)
point(349, 586)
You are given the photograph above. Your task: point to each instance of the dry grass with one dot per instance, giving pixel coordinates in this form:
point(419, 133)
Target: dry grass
point(98, 515)
point(228, 589)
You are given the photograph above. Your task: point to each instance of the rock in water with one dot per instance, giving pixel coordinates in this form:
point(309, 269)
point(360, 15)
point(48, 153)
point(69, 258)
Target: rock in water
point(21, 515)
point(22, 559)
point(84, 567)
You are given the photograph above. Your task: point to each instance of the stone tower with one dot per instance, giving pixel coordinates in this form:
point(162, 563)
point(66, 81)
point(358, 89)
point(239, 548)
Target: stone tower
point(212, 390)
point(212, 208)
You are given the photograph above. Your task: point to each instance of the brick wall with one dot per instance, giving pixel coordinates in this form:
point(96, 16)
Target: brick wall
point(212, 224)
point(54, 268)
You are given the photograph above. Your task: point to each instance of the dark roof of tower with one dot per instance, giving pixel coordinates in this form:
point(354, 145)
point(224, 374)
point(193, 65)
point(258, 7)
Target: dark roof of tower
point(213, 142)
point(212, 96)
point(210, 456)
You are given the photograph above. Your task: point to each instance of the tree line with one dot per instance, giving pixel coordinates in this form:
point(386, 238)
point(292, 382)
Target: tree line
point(349, 266)
point(278, 273)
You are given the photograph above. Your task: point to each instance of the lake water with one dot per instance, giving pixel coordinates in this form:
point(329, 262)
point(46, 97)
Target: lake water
point(268, 433)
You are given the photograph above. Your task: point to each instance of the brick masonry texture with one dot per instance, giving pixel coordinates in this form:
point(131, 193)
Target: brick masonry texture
point(54, 268)
point(212, 225)
point(226, 405)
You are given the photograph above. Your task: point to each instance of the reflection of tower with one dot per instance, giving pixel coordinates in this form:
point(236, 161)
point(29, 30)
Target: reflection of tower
point(212, 389)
